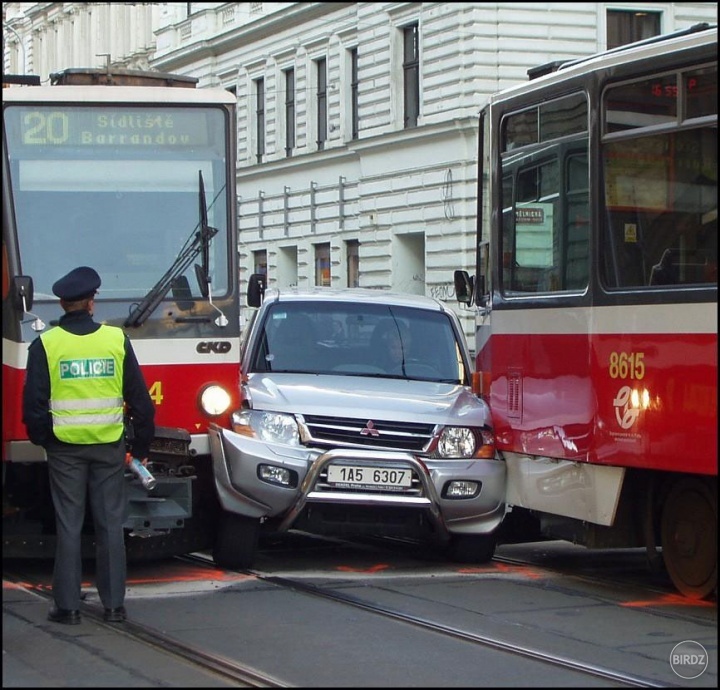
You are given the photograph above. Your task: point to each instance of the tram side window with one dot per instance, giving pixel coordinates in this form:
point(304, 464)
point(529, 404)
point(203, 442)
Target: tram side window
point(545, 226)
point(545, 200)
point(661, 210)
point(577, 224)
point(660, 204)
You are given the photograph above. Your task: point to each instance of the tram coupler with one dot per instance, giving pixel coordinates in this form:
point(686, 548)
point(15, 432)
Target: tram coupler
point(167, 503)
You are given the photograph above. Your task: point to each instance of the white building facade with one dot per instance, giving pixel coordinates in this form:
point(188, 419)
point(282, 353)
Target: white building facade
point(357, 122)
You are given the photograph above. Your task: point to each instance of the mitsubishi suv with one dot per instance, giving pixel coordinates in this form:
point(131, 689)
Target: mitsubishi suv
point(358, 418)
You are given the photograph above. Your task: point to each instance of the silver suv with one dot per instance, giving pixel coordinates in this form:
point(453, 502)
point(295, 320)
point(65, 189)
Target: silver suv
point(357, 418)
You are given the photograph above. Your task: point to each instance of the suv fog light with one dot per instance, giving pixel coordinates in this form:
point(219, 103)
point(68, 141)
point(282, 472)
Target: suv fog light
point(461, 489)
point(277, 475)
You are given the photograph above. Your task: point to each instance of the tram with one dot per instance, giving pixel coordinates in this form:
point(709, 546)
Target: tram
point(132, 173)
point(595, 300)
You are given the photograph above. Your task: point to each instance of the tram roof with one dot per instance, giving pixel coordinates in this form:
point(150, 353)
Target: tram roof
point(94, 94)
point(696, 36)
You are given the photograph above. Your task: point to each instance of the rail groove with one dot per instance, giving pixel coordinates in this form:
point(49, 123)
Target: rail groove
point(625, 679)
point(238, 674)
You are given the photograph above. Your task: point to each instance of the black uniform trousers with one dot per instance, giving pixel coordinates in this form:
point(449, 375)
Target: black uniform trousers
point(96, 472)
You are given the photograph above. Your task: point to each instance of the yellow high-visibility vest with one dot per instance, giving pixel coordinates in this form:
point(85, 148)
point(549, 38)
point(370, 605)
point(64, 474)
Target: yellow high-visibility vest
point(86, 382)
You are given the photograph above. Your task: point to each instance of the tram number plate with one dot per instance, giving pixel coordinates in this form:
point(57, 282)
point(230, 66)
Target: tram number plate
point(369, 477)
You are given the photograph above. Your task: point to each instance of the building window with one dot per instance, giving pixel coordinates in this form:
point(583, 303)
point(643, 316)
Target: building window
point(352, 255)
point(354, 121)
point(628, 26)
point(322, 265)
point(260, 118)
point(321, 66)
point(411, 75)
point(289, 111)
point(260, 262)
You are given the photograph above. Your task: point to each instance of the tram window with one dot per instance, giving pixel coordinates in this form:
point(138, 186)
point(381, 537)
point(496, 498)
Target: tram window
point(545, 219)
point(534, 217)
point(520, 129)
point(563, 117)
point(552, 120)
point(661, 210)
point(641, 104)
point(508, 229)
point(577, 224)
point(700, 88)
point(656, 101)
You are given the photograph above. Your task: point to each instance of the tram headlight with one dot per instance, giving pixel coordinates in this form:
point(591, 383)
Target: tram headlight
point(465, 442)
point(214, 400)
point(272, 427)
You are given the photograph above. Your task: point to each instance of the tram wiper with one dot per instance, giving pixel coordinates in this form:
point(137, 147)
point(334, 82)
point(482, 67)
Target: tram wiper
point(199, 245)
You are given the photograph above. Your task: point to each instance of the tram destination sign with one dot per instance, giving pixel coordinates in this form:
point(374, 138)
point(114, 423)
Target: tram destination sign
point(85, 126)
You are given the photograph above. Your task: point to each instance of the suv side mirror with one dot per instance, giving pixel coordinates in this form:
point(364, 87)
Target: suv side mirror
point(463, 287)
point(256, 289)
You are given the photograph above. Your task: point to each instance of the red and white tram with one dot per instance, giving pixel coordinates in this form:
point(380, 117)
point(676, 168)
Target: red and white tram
point(595, 295)
point(132, 173)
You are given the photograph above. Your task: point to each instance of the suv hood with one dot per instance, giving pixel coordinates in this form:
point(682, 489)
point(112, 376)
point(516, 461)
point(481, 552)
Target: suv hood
point(393, 399)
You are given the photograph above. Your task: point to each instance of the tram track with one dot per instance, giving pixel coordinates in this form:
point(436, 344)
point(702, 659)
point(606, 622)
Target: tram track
point(239, 675)
point(662, 594)
point(557, 661)
point(645, 589)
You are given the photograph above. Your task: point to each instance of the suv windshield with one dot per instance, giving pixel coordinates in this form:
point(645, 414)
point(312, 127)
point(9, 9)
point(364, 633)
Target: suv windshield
point(359, 339)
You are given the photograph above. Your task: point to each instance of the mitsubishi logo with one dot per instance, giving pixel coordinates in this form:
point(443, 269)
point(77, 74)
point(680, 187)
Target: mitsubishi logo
point(370, 430)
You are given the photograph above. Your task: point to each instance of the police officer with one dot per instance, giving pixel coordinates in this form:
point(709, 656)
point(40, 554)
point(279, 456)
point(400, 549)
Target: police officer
point(82, 377)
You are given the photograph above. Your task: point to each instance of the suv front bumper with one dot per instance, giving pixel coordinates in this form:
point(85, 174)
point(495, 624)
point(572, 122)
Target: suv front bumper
point(237, 458)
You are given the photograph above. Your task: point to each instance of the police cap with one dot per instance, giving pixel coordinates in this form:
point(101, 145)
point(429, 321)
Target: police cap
point(82, 282)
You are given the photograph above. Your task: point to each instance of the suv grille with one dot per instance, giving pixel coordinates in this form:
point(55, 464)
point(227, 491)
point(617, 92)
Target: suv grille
point(348, 432)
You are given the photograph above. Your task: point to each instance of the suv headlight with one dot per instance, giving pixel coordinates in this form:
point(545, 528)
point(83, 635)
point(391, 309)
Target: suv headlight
point(465, 442)
point(273, 427)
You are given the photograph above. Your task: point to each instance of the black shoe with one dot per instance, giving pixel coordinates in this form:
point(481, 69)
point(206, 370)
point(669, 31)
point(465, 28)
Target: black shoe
point(64, 616)
point(115, 615)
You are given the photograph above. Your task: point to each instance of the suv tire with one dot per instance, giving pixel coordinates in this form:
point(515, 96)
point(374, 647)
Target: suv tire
point(236, 541)
point(471, 548)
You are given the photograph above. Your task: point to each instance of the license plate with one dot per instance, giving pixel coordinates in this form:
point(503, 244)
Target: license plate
point(369, 477)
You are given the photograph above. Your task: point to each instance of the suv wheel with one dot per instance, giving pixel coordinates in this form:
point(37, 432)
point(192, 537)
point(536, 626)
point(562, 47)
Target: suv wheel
point(236, 541)
point(471, 548)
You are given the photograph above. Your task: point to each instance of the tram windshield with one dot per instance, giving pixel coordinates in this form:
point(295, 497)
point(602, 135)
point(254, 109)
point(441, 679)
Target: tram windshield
point(116, 188)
